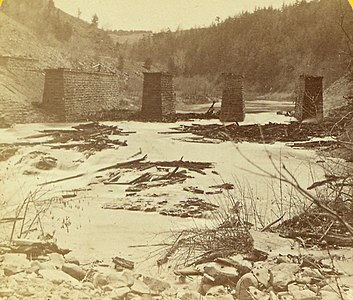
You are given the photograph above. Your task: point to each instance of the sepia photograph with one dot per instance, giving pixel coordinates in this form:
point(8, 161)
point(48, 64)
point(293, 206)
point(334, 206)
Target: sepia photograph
point(176, 149)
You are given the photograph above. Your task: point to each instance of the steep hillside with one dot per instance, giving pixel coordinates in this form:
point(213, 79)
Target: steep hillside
point(36, 29)
point(339, 96)
point(72, 37)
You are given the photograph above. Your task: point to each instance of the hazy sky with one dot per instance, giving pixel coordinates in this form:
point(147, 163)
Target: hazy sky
point(160, 14)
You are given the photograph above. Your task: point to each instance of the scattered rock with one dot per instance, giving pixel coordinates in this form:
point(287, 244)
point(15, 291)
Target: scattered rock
point(116, 280)
point(57, 260)
point(73, 261)
point(35, 267)
point(262, 275)
point(5, 292)
point(140, 288)
point(19, 261)
point(282, 275)
point(256, 294)
point(57, 277)
point(328, 295)
point(120, 293)
point(155, 285)
point(100, 280)
point(190, 296)
point(221, 275)
point(132, 296)
point(242, 288)
point(217, 291)
point(74, 270)
point(285, 296)
point(303, 295)
point(88, 285)
point(11, 270)
point(314, 273)
point(128, 277)
point(273, 296)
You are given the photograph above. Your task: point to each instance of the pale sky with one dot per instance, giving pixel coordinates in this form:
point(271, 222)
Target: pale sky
point(160, 14)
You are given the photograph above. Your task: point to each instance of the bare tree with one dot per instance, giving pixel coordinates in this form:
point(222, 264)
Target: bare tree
point(348, 34)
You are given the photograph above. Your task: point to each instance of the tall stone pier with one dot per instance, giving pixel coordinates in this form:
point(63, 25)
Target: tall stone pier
point(158, 99)
point(309, 98)
point(232, 107)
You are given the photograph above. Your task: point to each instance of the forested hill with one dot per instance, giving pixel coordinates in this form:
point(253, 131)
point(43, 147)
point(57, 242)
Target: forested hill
point(271, 47)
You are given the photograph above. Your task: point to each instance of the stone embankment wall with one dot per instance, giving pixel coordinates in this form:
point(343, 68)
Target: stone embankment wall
point(80, 96)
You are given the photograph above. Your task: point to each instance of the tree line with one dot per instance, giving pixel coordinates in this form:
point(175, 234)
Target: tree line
point(270, 47)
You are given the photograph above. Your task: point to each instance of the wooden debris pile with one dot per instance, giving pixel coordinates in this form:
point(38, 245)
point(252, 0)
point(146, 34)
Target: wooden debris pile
point(316, 226)
point(89, 137)
point(164, 173)
point(201, 245)
point(190, 208)
point(268, 133)
point(148, 175)
point(32, 248)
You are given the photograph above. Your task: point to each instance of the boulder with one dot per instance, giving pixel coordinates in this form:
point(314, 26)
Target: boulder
point(189, 295)
point(273, 296)
point(74, 270)
point(73, 260)
point(314, 273)
point(57, 276)
point(57, 260)
point(282, 275)
point(5, 292)
point(293, 287)
point(35, 267)
point(99, 280)
point(11, 270)
point(224, 297)
point(48, 265)
point(303, 295)
point(140, 288)
point(26, 292)
point(280, 280)
point(132, 296)
point(217, 291)
point(288, 267)
point(242, 288)
point(155, 285)
point(262, 275)
point(221, 275)
point(256, 294)
point(285, 296)
point(128, 277)
point(14, 263)
point(116, 280)
point(120, 293)
point(88, 285)
point(328, 295)
point(243, 266)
